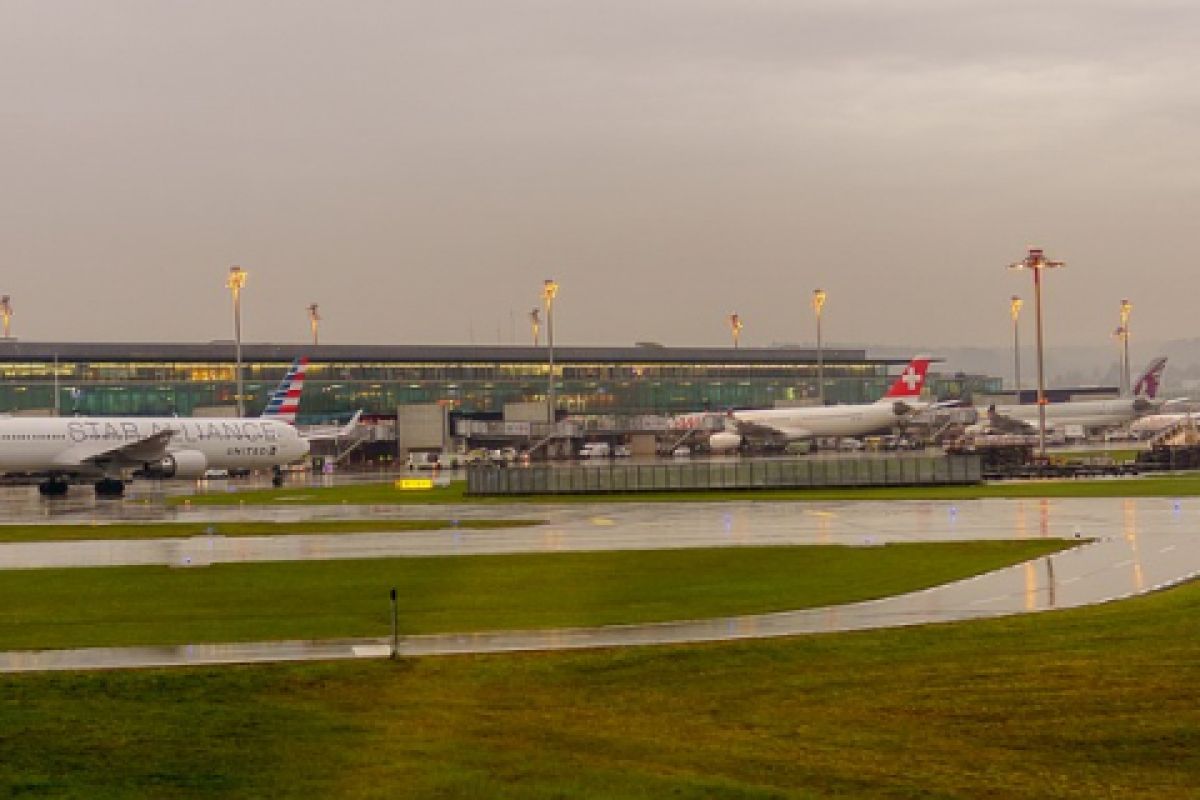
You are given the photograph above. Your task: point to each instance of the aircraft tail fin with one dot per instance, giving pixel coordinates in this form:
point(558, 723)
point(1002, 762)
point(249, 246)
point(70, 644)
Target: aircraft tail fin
point(908, 384)
point(1147, 385)
point(285, 400)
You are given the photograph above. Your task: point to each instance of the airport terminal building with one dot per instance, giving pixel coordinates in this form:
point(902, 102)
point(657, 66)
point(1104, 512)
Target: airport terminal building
point(199, 379)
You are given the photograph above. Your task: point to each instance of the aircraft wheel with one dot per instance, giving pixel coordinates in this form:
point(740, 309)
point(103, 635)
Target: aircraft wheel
point(110, 487)
point(277, 478)
point(52, 488)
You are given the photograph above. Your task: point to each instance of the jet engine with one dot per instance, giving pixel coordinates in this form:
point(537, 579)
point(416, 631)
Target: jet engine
point(181, 464)
point(721, 441)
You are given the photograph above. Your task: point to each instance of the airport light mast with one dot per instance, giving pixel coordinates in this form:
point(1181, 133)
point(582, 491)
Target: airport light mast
point(1014, 308)
point(735, 327)
point(314, 321)
point(818, 304)
point(535, 324)
point(235, 282)
point(1036, 261)
point(549, 292)
point(6, 312)
point(1123, 332)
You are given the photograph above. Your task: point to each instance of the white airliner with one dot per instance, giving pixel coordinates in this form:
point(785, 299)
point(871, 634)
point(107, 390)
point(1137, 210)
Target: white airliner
point(109, 448)
point(808, 422)
point(1087, 414)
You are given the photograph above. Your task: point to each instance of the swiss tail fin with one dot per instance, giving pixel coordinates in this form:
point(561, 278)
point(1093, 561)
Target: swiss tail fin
point(908, 384)
point(1147, 385)
point(285, 400)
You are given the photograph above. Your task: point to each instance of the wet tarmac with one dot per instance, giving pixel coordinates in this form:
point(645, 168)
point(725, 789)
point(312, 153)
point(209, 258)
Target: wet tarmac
point(1140, 545)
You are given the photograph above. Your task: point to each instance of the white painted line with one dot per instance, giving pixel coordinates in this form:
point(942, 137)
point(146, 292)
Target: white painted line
point(371, 651)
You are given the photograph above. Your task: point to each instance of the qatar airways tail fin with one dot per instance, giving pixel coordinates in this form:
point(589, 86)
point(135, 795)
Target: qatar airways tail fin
point(1147, 384)
point(908, 384)
point(285, 400)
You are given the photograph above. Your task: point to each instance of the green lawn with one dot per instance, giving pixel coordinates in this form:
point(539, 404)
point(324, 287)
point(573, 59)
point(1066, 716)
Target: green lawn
point(325, 599)
point(157, 530)
point(384, 493)
point(1095, 702)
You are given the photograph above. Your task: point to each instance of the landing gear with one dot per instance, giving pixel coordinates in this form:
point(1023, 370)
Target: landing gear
point(110, 487)
point(277, 477)
point(54, 487)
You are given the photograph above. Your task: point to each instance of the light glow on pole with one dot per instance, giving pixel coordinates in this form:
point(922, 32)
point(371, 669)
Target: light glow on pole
point(535, 323)
point(549, 292)
point(235, 283)
point(1014, 308)
point(735, 327)
point(6, 311)
point(1126, 310)
point(314, 320)
point(818, 304)
point(1035, 261)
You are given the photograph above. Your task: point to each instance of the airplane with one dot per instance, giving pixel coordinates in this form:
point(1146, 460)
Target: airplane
point(808, 422)
point(1087, 414)
point(107, 448)
point(284, 402)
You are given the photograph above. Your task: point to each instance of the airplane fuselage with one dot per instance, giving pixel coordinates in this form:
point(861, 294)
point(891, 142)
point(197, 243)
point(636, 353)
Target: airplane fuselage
point(77, 445)
point(809, 422)
point(1085, 413)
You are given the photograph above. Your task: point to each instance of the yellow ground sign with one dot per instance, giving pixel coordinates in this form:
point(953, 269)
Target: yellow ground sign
point(414, 483)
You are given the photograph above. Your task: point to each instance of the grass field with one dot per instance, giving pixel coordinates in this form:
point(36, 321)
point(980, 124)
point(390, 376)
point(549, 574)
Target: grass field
point(42, 609)
point(158, 530)
point(1096, 702)
point(385, 493)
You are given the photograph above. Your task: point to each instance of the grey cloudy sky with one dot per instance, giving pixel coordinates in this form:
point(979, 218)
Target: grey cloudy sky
point(419, 168)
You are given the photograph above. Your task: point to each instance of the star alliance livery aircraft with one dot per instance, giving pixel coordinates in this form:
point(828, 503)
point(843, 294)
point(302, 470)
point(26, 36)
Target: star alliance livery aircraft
point(109, 448)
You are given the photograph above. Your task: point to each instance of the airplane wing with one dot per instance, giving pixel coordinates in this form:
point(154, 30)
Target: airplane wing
point(139, 451)
point(325, 433)
point(766, 430)
point(1000, 423)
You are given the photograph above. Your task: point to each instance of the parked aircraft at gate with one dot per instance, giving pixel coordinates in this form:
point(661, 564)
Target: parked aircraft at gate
point(109, 448)
point(808, 422)
point(1088, 414)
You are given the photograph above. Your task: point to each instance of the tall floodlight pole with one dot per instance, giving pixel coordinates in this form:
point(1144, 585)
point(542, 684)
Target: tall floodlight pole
point(6, 311)
point(1036, 261)
point(535, 324)
point(1126, 309)
point(235, 282)
point(314, 321)
point(1014, 308)
point(818, 303)
point(549, 292)
point(735, 327)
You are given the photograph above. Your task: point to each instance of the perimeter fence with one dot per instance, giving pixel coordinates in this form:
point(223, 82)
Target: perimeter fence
point(600, 478)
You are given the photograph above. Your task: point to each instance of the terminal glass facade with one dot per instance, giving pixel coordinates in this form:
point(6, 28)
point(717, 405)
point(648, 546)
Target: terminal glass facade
point(187, 379)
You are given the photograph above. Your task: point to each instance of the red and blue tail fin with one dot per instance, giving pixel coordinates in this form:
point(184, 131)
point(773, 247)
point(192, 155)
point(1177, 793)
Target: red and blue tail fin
point(285, 400)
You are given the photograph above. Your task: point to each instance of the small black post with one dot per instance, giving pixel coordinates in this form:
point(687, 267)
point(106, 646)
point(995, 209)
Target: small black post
point(395, 628)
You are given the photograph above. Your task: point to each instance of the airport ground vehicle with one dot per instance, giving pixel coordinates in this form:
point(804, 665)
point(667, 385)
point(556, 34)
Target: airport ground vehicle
point(423, 460)
point(595, 450)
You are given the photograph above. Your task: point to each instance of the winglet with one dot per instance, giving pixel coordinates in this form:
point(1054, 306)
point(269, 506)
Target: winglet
point(910, 381)
point(349, 427)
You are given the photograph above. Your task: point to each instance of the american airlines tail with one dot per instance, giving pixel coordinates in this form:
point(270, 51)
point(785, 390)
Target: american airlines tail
point(909, 383)
point(285, 400)
point(1147, 385)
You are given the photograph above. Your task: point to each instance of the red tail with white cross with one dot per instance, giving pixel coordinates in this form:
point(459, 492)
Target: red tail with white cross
point(909, 384)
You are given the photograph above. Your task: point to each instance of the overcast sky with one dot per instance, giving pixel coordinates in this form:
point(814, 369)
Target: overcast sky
point(417, 169)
